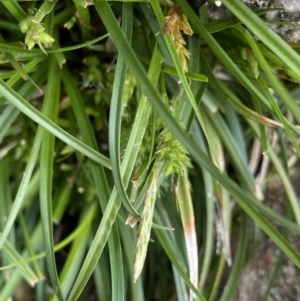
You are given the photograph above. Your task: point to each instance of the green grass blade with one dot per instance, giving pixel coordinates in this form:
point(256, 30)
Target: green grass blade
point(15, 10)
point(77, 252)
point(30, 247)
point(11, 253)
point(96, 249)
point(115, 116)
point(45, 122)
point(28, 170)
point(51, 100)
point(23, 187)
point(45, 9)
point(185, 205)
point(181, 291)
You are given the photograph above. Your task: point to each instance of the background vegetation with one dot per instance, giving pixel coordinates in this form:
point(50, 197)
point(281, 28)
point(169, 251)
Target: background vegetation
point(107, 117)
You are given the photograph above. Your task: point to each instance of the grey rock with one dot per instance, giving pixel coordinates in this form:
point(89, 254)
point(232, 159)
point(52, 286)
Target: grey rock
point(288, 12)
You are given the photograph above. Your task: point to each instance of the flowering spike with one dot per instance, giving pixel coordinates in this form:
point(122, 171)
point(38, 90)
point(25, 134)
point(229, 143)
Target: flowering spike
point(176, 21)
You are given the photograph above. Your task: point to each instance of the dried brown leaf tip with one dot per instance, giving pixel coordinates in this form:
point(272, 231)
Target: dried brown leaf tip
point(174, 23)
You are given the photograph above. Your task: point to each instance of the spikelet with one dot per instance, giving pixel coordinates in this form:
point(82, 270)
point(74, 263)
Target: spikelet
point(174, 23)
point(146, 224)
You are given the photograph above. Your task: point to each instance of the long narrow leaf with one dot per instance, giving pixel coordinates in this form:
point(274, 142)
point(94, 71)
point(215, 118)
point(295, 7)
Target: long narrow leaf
point(46, 161)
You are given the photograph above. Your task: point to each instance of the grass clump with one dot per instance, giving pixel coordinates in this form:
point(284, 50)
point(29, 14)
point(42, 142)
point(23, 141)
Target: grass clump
point(119, 118)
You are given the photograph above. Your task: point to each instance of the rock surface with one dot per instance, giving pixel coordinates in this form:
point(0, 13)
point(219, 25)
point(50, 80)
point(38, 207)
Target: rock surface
point(283, 11)
point(259, 270)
